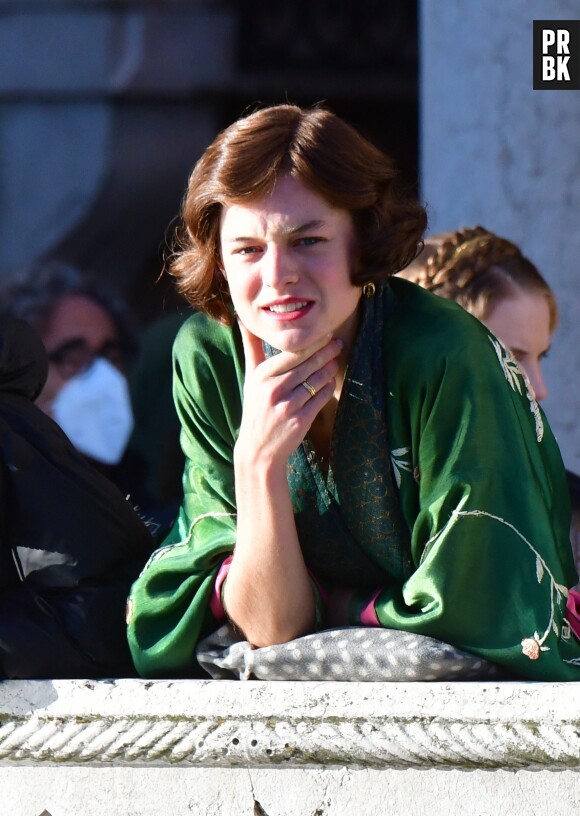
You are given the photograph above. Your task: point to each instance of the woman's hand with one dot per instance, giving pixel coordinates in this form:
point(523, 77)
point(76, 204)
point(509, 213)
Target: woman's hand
point(268, 593)
point(278, 409)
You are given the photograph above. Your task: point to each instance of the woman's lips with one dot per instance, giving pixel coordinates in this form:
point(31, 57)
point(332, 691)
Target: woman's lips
point(289, 310)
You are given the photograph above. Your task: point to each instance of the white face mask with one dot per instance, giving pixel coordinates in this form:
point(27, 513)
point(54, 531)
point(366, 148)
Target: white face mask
point(94, 411)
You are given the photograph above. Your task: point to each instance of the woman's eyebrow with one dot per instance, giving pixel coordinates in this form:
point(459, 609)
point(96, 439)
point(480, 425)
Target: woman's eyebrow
point(282, 230)
point(309, 225)
point(288, 230)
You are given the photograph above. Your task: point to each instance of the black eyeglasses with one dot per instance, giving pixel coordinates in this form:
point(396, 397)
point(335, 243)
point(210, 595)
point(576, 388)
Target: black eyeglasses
point(75, 356)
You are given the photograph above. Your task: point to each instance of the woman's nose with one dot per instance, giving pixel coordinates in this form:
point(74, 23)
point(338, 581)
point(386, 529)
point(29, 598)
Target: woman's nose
point(536, 378)
point(278, 268)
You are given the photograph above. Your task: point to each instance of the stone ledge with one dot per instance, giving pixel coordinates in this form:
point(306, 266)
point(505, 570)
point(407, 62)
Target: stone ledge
point(229, 724)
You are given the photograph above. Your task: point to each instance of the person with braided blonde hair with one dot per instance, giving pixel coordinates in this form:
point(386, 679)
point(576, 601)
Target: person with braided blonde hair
point(367, 471)
point(491, 278)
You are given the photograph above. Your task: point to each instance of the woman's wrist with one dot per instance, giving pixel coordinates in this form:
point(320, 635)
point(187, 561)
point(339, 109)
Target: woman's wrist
point(216, 601)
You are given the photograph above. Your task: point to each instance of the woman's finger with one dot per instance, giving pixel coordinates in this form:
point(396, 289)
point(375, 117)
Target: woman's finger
point(313, 398)
point(253, 348)
point(281, 363)
point(307, 377)
point(320, 365)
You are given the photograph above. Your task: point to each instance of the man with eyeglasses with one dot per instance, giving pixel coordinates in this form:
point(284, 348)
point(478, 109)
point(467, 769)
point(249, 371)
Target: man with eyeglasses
point(89, 337)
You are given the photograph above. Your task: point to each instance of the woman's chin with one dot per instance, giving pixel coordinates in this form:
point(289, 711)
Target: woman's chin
point(290, 342)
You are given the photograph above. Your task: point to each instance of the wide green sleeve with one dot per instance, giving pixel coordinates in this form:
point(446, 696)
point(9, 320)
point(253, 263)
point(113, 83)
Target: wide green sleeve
point(169, 602)
point(483, 490)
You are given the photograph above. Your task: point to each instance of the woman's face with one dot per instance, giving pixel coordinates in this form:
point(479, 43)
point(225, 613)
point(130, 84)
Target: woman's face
point(287, 258)
point(522, 323)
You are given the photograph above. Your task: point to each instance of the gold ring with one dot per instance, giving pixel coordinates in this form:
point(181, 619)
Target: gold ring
point(310, 388)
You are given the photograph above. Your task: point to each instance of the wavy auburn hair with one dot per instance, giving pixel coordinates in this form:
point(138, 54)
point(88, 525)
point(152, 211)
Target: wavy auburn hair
point(323, 152)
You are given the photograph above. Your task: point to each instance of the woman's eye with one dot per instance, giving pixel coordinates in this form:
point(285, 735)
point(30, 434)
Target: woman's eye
point(309, 240)
point(247, 250)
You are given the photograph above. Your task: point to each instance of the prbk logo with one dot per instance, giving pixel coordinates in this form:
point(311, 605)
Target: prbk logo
point(556, 55)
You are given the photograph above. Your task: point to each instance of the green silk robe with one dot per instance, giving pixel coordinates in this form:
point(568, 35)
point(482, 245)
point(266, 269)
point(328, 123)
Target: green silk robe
point(479, 478)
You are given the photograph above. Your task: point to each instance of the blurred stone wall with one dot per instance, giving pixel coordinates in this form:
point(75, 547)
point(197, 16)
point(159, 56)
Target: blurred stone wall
point(105, 105)
point(497, 153)
point(97, 127)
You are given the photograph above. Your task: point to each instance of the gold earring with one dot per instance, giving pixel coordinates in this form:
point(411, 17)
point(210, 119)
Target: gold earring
point(369, 289)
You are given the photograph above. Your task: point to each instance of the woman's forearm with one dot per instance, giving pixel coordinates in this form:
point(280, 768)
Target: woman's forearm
point(268, 593)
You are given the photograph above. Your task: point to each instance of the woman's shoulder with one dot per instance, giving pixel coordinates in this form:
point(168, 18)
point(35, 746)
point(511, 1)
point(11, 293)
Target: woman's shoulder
point(202, 334)
point(423, 324)
point(208, 360)
point(419, 308)
point(202, 342)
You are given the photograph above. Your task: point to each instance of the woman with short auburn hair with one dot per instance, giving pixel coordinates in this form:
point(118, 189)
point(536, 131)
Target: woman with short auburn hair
point(331, 158)
point(361, 456)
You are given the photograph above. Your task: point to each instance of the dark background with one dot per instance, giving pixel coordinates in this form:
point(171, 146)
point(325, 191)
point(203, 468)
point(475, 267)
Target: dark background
point(196, 66)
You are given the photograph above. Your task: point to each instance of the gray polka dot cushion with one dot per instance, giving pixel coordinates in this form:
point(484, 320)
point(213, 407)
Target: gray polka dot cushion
point(351, 653)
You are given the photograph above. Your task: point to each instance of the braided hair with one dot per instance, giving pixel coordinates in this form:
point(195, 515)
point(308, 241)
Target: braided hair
point(477, 269)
